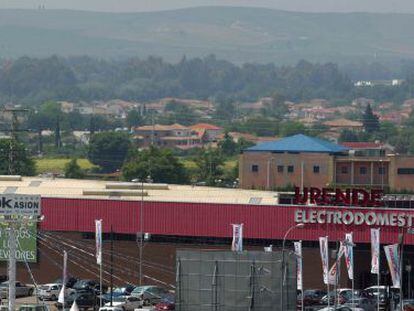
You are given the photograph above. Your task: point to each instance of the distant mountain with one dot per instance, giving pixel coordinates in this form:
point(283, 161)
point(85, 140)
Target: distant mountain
point(236, 34)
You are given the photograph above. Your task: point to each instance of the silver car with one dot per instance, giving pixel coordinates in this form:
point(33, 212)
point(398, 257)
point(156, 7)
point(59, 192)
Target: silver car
point(49, 291)
point(22, 290)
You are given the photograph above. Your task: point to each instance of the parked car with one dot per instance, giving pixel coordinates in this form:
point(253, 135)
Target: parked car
point(123, 291)
point(49, 291)
point(89, 284)
point(150, 295)
point(129, 303)
point(111, 309)
point(408, 305)
point(22, 290)
point(341, 308)
point(167, 303)
point(85, 299)
point(38, 307)
point(70, 281)
point(311, 297)
point(342, 294)
point(363, 303)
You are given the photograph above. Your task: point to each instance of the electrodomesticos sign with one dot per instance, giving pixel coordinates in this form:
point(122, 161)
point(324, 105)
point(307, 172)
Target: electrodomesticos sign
point(330, 196)
point(19, 204)
point(26, 243)
point(347, 217)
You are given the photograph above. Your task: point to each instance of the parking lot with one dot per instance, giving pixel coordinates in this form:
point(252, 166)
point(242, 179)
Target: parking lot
point(51, 304)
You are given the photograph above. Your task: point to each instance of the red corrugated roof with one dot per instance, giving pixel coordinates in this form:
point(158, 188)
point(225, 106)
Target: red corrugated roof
point(205, 126)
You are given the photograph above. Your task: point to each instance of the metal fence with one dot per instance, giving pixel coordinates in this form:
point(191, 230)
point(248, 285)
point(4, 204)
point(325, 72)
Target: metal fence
point(230, 281)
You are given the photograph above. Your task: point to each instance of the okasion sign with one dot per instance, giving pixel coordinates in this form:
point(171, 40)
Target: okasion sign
point(331, 196)
point(347, 217)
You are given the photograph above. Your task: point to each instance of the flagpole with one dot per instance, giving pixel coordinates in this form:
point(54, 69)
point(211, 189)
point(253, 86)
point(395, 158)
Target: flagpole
point(100, 284)
point(379, 271)
point(352, 263)
point(327, 277)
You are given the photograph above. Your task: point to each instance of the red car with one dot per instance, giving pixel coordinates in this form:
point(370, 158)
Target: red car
point(166, 304)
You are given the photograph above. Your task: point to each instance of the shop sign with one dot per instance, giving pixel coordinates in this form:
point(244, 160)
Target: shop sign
point(337, 196)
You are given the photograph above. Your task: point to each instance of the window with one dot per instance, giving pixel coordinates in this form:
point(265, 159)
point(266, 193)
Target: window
point(381, 170)
point(316, 169)
point(280, 168)
point(405, 171)
point(344, 170)
point(363, 170)
point(290, 169)
point(255, 168)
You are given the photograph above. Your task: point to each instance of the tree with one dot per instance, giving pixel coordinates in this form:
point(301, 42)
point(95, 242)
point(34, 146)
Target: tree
point(209, 166)
point(134, 118)
point(22, 164)
point(370, 120)
point(160, 164)
point(348, 136)
point(73, 170)
point(290, 128)
point(227, 146)
point(108, 150)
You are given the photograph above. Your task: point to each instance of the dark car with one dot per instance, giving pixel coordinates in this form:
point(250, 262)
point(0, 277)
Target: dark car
point(311, 297)
point(89, 284)
point(85, 299)
point(168, 303)
point(122, 291)
point(70, 281)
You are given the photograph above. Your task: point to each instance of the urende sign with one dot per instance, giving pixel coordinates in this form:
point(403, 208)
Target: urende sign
point(337, 196)
point(20, 204)
point(26, 246)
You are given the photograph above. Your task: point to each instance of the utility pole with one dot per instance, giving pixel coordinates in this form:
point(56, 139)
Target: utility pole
point(13, 135)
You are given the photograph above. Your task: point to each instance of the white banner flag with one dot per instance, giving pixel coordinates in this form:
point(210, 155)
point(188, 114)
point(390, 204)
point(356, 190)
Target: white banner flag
point(61, 297)
point(375, 250)
point(237, 244)
point(323, 244)
point(98, 241)
point(349, 255)
point(332, 275)
point(393, 259)
point(298, 253)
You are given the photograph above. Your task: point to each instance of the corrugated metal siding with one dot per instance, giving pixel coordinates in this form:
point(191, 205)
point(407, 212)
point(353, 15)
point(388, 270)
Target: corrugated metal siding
point(195, 219)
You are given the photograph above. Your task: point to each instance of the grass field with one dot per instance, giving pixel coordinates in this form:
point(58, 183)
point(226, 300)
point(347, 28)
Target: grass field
point(57, 165)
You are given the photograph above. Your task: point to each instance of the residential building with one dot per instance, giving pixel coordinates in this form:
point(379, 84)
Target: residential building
point(207, 132)
point(168, 136)
point(305, 161)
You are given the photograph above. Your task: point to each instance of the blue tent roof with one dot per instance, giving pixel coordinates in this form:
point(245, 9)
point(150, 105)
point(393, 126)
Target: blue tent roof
point(299, 143)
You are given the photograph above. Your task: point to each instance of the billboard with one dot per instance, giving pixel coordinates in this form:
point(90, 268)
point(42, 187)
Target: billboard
point(20, 204)
point(26, 243)
point(229, 281)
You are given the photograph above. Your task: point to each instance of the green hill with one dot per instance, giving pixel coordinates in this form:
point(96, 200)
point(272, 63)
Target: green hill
point(236, 34)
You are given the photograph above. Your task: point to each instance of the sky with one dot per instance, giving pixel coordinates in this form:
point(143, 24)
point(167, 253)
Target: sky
point(390, 6)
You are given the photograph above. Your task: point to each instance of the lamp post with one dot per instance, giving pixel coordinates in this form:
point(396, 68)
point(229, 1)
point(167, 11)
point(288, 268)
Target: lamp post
point(282, 266)
point(141, 227)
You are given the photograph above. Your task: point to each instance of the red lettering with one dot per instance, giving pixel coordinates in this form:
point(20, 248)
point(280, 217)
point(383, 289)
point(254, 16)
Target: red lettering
point(315, 194)
point(376, 195)
point(341, 198)
point(299, 199)
point(327, 197)
point(356, 194)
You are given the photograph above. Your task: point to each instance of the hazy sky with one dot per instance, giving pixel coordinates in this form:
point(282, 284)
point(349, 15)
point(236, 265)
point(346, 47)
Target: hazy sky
point(405, 6)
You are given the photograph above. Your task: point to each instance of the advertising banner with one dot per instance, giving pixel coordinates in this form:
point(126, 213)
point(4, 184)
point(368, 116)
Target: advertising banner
point(237, 244)
point(20, 204)
point(375, 250)
point(26, 247)
point(323, 244)
point(349, 255)
point(332, 277)
point(98, 240)
point(298, 253)
point(393, 259)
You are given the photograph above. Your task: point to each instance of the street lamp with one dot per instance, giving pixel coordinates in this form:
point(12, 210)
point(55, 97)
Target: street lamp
point(141, 226)
point(282, 266)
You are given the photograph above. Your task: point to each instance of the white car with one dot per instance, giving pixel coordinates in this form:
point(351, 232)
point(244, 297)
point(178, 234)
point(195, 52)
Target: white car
point(49, 291)
point(341, 308)
point(129, 303)
point(111, 309)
